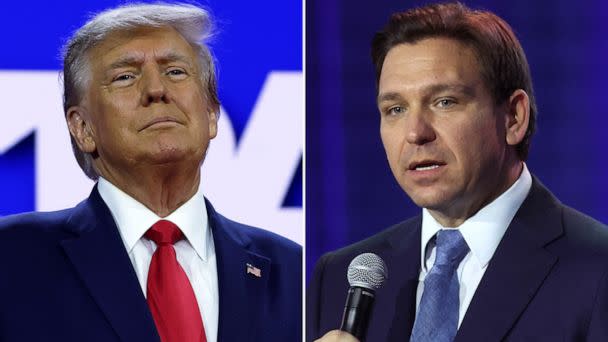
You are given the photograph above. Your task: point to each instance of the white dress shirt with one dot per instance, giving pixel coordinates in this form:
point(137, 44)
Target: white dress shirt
point(195, 253)
point(482, 233)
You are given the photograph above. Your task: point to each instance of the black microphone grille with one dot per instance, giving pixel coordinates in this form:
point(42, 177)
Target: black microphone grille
point(367, 270)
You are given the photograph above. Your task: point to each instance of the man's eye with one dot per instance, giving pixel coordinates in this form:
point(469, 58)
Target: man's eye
point(123, 77)
point(176, 72)
point(445, 103)
point(396, 110)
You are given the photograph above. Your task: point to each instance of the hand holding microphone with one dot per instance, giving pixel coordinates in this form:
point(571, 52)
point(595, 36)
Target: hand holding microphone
point(366, 273)
point(337, 336)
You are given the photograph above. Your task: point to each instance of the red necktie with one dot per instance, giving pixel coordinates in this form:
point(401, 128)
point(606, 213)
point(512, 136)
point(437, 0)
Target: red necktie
point(170, 295)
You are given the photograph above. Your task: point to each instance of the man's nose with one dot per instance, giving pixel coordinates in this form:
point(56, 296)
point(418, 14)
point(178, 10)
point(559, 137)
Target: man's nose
point(154, 88)
point(419, 127)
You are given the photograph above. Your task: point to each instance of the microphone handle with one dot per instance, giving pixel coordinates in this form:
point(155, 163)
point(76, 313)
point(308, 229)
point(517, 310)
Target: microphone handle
point(357, 312)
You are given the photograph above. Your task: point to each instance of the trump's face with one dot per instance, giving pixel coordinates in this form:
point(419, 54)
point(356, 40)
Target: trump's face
point(144, 103)
point(444, 136)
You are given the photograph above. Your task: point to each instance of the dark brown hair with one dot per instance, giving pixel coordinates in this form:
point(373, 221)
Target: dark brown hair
point(503, 63)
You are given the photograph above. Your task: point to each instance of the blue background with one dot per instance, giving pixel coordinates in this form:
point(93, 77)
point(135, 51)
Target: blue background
point(350, 191)
point(252, 39)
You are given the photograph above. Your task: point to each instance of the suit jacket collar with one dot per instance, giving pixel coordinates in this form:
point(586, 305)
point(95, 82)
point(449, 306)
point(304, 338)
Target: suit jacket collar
point(242, 290)
point(403, 263)
point(101, 261)
point(517, 269)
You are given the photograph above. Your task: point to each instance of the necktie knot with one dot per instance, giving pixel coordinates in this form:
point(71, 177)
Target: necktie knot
point(451, 247)
point(164, 232)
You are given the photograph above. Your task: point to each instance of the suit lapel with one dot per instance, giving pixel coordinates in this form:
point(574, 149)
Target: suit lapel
point(101, 261)
point(242, 293)
point(516, 271)
point(403, 263)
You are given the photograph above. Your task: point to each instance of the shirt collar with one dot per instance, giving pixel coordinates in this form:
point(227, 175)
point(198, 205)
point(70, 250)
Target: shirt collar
point(133, 219)
point(484, 230)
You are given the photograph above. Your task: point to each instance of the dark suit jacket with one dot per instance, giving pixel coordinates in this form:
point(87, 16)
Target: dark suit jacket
point(545, 282)
point(66, 276)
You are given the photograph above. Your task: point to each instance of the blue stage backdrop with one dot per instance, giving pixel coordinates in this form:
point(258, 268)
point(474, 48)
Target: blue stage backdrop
point(253, 169)
point(350, 191)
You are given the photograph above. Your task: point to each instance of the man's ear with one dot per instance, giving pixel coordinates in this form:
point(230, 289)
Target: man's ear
point(212, 117)
point(517, 117)
point(80, 129)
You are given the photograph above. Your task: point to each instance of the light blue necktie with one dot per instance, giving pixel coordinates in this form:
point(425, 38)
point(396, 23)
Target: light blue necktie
point(437, 319)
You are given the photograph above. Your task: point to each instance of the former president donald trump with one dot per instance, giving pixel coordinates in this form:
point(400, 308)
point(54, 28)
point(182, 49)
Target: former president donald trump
point(146, 257)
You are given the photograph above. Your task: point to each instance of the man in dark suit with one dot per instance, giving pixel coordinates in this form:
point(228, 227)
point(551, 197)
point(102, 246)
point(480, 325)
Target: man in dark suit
point(494, 255)
point(146, 257)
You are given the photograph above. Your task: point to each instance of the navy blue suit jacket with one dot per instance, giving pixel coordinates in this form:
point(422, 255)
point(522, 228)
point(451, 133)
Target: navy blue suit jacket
point(66, 276)
point(545, 282)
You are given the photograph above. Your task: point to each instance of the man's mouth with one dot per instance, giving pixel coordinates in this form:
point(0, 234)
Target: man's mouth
point(424, 168)
point(160, 120)
point(425, 165)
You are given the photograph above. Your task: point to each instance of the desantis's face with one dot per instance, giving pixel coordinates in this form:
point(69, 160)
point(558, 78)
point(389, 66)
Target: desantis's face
point(443, 134)
point(144, 103)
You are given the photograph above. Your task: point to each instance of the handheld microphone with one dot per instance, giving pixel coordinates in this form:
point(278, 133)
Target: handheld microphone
point(366, 273)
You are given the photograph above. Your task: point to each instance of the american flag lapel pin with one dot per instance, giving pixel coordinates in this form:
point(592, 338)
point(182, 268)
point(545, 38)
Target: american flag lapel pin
point(254, 270)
